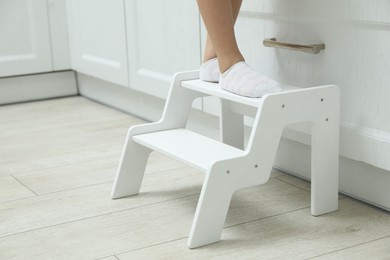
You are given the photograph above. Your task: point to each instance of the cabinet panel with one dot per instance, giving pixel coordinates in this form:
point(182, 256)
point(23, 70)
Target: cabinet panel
point(59, 34)
point(98, 39)
point(25, 45)
point(163, 38)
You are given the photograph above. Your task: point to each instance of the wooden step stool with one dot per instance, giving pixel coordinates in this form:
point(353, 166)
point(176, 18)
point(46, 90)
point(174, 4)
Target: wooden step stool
point(229, 167)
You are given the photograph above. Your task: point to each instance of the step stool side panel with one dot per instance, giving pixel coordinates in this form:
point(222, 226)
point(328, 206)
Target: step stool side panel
point(321, 106)
point(131, 169)
point(324, 168)
point(263, 142)
point(134, 156)
point(212, 208)
point(221, 181)
point(325, 158)
point(179, 101)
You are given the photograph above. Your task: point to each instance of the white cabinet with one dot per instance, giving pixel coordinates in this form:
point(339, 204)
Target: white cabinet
point(163, 38)
point(25, 43)
point(134, 43)
point(98, 39)
point(34, 37)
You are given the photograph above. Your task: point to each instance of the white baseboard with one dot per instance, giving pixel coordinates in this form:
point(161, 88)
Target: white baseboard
point(374, 144)
point(37, 86)
point(122, 98)
point(357, 179)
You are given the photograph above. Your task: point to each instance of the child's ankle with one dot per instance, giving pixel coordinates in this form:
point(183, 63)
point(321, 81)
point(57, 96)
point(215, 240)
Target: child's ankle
point(226, 64)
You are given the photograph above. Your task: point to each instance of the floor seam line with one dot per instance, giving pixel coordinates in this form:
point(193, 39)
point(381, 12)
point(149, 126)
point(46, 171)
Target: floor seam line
point(85, 186)
point(277, 177)
point(157, 244)
point(13, 176)
point(96, 216)
point(348, 247)
point(271, 216)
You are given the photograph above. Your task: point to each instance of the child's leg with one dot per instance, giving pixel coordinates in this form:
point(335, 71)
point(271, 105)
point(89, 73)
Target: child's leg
point(209, 52)
point(209, 70)
point(218, 18)
point(237, 76)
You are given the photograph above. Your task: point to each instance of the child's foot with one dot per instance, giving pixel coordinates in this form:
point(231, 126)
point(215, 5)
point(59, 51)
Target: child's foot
point(244, 81)
point(209, 71)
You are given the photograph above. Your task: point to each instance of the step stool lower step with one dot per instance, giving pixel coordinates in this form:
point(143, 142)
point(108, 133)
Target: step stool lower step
point(193, 149)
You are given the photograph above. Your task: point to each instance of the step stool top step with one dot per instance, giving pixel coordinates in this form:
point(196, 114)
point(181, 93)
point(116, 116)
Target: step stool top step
point(193, 149)
point(213, 89)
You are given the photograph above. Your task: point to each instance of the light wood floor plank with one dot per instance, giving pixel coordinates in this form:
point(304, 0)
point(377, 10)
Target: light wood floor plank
point(61, 108)
point(295, 235)
point(88, 172)
point(135, 228)
point(299, 182)
point(270, 199)
point(57, 208)
point(108, 258)
point(11, 189)
point(29, 161)
point(56, 145)
point(39, 138)
point(70, 176)
point(105, 235)
point(378, 250)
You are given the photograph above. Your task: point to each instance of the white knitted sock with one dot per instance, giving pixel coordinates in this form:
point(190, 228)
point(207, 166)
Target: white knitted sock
point(209, 71)
point(242, 80)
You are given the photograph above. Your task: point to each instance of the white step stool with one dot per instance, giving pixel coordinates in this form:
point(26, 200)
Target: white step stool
point(227, 166)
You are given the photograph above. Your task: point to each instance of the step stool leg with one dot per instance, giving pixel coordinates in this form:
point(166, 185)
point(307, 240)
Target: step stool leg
point(131, 169)
point(232, 126)
point(325, 167)
point(211, 211)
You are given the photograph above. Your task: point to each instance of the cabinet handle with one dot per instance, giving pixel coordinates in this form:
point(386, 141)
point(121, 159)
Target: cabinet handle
point(311, 48)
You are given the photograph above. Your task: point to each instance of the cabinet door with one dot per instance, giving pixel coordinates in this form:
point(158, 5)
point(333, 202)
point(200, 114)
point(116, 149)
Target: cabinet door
point(25, 43)
point(98, 39)
point(163, 38)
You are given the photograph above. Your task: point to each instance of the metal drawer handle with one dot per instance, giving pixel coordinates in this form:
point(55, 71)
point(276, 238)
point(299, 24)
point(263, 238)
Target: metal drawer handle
point(311, 48)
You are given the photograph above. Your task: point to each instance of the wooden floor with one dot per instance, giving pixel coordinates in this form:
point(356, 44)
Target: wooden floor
point(57, 163)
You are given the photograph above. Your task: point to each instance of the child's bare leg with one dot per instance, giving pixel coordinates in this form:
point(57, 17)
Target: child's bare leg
point(218, 18)
point(209, 52)
point(236, 76)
